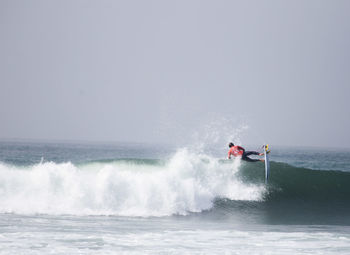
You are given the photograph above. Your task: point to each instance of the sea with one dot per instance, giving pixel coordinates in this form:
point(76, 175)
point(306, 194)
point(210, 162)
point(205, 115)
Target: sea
point(134, 198)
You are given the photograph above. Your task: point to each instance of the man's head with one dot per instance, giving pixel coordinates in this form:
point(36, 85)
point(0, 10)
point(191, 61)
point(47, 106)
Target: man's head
point(230, 145)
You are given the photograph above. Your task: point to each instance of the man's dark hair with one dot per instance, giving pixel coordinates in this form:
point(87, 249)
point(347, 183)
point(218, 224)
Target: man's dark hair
point(230, 145)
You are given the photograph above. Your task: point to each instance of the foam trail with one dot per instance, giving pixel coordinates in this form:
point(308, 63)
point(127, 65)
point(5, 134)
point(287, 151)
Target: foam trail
point(186, 183)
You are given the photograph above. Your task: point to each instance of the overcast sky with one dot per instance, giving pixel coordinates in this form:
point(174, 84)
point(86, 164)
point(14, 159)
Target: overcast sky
point(168, 71)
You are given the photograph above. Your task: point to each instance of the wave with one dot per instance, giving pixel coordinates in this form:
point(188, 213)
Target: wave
point(293, 196)
point(293, 183)
point(185, 183)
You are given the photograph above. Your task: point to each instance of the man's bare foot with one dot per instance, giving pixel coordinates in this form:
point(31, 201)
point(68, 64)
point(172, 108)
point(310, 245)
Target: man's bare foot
point(262, 160)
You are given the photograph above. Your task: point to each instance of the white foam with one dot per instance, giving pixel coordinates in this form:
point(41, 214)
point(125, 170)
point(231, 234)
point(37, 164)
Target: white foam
point(186, 183)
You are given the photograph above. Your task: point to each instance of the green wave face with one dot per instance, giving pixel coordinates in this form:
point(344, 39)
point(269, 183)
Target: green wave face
point(294, 196)
point(288, 182)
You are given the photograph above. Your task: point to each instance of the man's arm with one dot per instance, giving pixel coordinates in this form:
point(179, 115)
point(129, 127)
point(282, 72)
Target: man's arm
point(241, 148)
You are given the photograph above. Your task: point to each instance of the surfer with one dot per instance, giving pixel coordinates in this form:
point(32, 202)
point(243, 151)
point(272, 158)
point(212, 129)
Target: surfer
point(238, 151)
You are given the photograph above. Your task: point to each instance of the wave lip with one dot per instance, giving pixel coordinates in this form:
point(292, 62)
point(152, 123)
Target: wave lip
point(186, 183)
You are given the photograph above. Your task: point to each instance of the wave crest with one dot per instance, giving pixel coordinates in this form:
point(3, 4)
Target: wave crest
point(187, 182)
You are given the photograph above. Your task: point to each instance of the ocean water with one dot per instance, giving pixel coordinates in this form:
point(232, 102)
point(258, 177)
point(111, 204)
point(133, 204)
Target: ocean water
point(150, 199)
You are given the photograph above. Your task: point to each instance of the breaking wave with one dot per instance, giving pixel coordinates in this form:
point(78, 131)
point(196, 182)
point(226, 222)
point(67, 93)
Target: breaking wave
point(185, 183)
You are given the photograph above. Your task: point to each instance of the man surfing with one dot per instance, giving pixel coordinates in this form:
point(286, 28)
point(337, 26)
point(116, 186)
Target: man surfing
point(238, 151)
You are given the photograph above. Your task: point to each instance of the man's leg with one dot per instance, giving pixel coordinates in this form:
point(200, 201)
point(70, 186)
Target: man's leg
point(250, 159)
point(248, 153)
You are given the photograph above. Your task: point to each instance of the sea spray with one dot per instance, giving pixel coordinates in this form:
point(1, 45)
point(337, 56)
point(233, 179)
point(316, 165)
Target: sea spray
point(187, 182)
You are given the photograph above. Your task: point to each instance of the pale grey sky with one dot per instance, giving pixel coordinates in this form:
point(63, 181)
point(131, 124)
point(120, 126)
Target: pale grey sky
point(167, 71)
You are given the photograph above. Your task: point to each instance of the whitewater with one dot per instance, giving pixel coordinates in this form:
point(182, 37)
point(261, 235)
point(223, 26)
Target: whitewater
point(148, 199)
point(186, 183)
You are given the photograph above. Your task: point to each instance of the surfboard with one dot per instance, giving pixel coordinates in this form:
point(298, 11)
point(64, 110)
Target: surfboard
point(267, 162)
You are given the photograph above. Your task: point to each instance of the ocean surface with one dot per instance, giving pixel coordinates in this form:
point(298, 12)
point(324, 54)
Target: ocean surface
point(123, 198)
